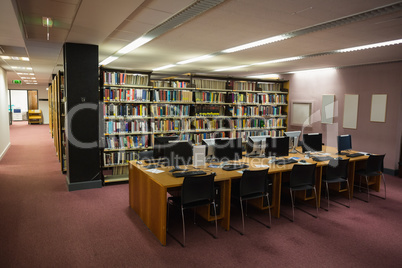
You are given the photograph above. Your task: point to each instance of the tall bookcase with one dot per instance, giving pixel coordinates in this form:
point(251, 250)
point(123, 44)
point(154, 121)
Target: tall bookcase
point(137, 108)
point(126, 99)
point(57, 117)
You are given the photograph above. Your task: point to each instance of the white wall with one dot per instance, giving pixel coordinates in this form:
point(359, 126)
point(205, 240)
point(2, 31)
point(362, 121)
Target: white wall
point(4, 117)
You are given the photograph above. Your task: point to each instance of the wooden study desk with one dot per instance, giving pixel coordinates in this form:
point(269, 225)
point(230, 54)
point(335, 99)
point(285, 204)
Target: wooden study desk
point(148, 191)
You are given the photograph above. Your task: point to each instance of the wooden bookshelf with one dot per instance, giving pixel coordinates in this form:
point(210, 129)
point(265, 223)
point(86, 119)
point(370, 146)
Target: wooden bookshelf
point(57, 117)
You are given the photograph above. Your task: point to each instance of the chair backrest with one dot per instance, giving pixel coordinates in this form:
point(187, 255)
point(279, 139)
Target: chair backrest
point(337, 168)
point(375, 163)
point(302, 175)
point(253, 181)
point(145, 155)
point(197, 188)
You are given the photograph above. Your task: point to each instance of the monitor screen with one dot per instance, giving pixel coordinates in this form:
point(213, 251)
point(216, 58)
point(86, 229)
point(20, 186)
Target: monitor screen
point(312, 142)
point(294, 139)
point(160, 143)
point(179, 153)
point(256, 145)
point(228, 149)
point(277, 146)
point(344, 143)
point(210, 147)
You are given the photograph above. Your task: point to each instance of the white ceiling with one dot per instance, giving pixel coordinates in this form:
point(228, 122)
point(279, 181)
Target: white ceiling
point(114, 24)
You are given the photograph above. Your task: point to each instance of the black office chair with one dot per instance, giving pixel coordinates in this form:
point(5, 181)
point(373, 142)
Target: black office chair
point(337, 172)
point(143, 155)
point(253, 184)
point(302, 177)
point(374, 167)
point(195, 192)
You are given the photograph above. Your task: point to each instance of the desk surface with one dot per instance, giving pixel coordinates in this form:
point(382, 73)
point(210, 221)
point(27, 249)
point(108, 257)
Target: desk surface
point(166, 179)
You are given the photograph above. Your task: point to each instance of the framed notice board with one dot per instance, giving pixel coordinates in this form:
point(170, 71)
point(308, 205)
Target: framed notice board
point(378, 107)
point(350, 109)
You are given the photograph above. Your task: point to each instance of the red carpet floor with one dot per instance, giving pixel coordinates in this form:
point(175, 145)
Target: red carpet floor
point(44, 225)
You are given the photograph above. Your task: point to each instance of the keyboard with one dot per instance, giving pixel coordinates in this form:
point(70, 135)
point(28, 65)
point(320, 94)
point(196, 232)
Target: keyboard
point(354, 155)
point(153, 161)
point(229, 167)
point(322, 158)
point(285, 161)
point(152, 166)
point(188, 173)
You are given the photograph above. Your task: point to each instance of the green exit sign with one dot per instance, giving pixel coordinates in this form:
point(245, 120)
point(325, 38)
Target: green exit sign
point(17, 82)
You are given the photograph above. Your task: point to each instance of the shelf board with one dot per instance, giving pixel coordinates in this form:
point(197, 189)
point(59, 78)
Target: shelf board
point(128, 133)
point(127, 149)
point(115, 178)
point(127, 86)
point(126, 102)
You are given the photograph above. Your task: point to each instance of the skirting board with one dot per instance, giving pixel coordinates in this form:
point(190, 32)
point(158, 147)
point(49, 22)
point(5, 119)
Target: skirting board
point(5, 151)
point(83, 185)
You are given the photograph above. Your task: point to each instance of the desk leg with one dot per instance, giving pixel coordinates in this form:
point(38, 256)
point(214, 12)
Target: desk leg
point(351, 178)
point(149, 201)
point(225, 223)
point(276, 194)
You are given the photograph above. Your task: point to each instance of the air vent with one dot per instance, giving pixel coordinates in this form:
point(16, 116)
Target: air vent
point(186, 14)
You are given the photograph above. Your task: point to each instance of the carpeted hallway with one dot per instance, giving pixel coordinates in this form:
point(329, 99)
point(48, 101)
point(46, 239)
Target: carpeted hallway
point(44, 225)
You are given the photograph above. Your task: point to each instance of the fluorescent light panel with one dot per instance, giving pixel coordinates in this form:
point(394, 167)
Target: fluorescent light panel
point(133, 45)
point(257, 43)
point(164, 67)
point(108, 60)
point(231, 68)
point(195, 59)
point(382, 44)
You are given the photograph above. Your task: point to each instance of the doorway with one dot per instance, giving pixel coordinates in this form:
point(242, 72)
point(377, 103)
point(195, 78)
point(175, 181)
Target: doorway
point(20, 101)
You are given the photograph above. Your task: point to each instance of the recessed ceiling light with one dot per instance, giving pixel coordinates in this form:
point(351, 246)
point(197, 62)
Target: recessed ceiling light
point(108, 60)
point(231, 68)
point(195, 59)
point(164, 67)
point(135, 44)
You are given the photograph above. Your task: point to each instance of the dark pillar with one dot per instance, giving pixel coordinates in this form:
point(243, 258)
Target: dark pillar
point(82, 119)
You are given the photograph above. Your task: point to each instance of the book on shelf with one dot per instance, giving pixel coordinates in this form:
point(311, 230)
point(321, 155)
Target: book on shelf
point(126, 142)
point(209, 96)
point(124, 126)
point(121, 78)
point(173, 95)
point(210, 83)
point(118, 109)
point(244, 85)
point(160, 125)
point(209, 110)
point(170, 110)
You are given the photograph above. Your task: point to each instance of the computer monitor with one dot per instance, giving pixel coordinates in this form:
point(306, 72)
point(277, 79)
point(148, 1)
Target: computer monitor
point(228, 149)
point(312, 142)
point(344, 143)
point(255, 146)
point(179, 153)
point(160, 143)
point(293, 140)
point(210, 148)
point(277, 146)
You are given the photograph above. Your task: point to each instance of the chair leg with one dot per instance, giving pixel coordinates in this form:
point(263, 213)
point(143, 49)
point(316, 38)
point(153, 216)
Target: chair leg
point(242, 214)
point(326, 186)
point(269, 210)
point(184, 228)
point(216, 220)
point(316, 200)
point(347, 184)
point(293, 206)
point(368, 190)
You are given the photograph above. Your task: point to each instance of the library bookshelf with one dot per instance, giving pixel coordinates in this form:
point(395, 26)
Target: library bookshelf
point(136, 107)
point(57, 110)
